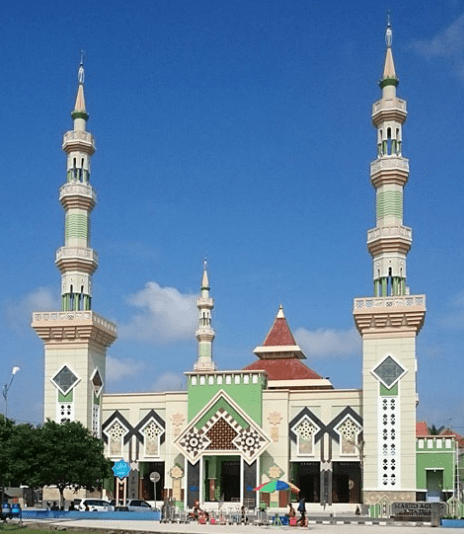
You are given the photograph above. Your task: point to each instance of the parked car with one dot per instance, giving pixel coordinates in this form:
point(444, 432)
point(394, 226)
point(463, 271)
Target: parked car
point(95, 505)
point(5, 512)
point(138, 505)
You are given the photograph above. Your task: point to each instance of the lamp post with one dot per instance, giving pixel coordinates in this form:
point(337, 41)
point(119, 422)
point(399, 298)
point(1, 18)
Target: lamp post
point(6, 388)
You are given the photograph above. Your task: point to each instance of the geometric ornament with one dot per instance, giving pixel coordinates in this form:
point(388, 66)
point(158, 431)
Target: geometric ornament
point(249, 442)
point(388, 371)
point(194, 442)
point(65, 379)
point(274, 472)
point(222, 426)
point(97, 382)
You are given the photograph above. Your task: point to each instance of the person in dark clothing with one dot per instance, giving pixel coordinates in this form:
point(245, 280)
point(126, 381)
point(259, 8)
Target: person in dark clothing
point(302, 509)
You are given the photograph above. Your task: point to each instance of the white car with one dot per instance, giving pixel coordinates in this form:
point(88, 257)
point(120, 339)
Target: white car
point(95, 505)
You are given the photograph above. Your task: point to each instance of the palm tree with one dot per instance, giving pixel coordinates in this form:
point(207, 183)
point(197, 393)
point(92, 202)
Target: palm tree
point(434, 431)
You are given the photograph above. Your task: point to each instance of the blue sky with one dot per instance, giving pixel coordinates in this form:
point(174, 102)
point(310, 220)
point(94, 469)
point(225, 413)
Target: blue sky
point(240, 131)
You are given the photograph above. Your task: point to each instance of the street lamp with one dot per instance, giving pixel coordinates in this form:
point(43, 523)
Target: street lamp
point(6, 388)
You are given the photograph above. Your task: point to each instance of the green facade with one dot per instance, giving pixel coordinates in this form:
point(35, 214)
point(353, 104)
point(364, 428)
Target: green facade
point(248, 396)
point(435, 465)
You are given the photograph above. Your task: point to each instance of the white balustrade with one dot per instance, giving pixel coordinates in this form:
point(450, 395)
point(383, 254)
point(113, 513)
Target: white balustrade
point(389, 302)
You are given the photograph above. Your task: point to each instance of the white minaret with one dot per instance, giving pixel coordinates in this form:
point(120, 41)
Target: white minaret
point(205, 333)
point(76, 260)
point(390, 321)
point(75, 339)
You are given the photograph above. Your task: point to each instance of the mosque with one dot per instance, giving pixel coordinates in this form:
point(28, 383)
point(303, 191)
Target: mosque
point(232, 430)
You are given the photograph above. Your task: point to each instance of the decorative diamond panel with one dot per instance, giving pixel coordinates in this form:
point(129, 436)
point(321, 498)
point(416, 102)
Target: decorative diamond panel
point(388, 371)
point(194, 442)
point(221, 435)
point(65, 379)
point(249, 442)
point(97, 382)
point(226, 428)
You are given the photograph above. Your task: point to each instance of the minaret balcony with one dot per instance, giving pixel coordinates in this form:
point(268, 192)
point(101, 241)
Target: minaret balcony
point(74, 326)
point(204, 302)
point(205, 334)
point(374, 315)
point(76, 140)
point(389, 170)
point(76, 258)
point(389, 110)
point(389, 239)
point(77, 195)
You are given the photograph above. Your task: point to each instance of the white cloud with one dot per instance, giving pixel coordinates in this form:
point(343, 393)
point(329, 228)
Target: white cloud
point(164, 315)
point(117, 369)
point(328, 343)
point(169, 381)
point(449, 44)
point(18, 313)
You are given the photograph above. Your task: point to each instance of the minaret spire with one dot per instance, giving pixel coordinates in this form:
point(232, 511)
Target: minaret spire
point(205, 333)
point(79, 113)
point(390, 241)
point(76, 260)
point(389, 78)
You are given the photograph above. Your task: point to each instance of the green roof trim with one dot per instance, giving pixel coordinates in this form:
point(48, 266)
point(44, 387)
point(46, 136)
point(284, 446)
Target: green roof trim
point(388, 81)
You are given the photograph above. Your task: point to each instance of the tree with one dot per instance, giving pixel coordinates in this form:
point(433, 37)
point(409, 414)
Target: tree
point(6, 430)
point(434, 431)
point(25, 447)
point(70, 457)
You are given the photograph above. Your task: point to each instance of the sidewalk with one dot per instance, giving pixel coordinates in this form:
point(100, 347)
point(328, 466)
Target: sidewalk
point(130, 527)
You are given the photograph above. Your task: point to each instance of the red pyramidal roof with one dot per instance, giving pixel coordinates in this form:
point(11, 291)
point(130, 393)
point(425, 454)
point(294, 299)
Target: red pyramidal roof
point(279, 342)
point(285, 369)
point(279, 334)
point(280, 357)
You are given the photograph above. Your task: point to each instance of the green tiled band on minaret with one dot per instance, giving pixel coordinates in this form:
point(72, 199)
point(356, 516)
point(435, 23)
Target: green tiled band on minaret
point(389, 203)
point(77, 225)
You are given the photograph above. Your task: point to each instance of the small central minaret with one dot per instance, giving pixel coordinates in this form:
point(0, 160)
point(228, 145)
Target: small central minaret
point(390, 321)
point(205, 333)
point(76, 338)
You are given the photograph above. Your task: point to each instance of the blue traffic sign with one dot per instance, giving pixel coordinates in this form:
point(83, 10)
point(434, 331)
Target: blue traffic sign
point(121, 469)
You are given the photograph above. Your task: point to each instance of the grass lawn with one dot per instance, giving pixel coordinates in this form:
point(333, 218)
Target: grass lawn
point(7, 528)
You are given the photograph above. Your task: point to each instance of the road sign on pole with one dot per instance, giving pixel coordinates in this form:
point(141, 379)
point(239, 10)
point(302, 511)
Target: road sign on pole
point(155, 477)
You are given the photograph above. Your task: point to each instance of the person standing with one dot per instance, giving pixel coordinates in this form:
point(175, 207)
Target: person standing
point(302, 510)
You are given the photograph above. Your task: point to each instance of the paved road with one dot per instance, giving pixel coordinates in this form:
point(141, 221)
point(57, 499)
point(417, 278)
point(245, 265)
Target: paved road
point(194, 528)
